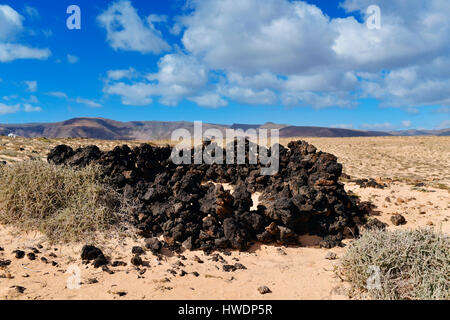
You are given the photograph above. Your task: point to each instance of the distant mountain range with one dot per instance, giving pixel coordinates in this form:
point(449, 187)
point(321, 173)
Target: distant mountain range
point(99, 128)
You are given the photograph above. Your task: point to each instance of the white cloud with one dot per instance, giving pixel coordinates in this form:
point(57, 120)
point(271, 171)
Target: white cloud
point(322, 81)
point(88, 102)
point(8, 109)
point(72, 59)
point(58, 94)
point(122, 74)
point(138, 94)
point(406, 124)
point(412, 45)
point(248, 95)
point(209, 100)
point(12, 51)
point(318, 100)
point(31, 86)
point(179, 77)
point(29, 108)
point(11, 24)
point(314, 60)
point(444, 124)
point(259, 81)
point(179, 70)
point(33, 99)
point(253, 36)
point(127, 31)
point(288, 52)
point(11, 97)
point(410, 31)
point(410, 87)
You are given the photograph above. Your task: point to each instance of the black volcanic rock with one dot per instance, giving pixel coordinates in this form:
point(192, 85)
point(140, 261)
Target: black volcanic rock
point(91, 253)
point(180, 202)
point(60, 154)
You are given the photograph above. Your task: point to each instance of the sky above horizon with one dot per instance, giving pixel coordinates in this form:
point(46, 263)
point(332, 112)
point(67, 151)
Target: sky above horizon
point(313, 63)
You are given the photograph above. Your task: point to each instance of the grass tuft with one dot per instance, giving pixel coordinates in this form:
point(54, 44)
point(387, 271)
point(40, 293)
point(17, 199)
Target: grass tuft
point(65, 204)
point(413, 264)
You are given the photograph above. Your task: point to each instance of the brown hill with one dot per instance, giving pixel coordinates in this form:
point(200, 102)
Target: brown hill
point(100, 128)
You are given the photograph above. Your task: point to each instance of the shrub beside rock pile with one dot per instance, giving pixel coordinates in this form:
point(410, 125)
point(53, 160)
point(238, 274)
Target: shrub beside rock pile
point(63, 203)
point(182, 203)
point(400, 264)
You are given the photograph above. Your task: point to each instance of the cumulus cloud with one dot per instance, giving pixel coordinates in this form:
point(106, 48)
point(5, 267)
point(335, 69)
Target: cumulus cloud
point(209, 100)
point(30, 108)
point(290, 53)
point(252, 36)
point(179, 77)
point(317, 100)
point(121, 74)
point(126, 30)
point(8, 109)
point(31, 86)
point(410, 30)
point(11, 24)
point(410, 87)
point(137, 94)
point(12, 51)
point(249, 95)
point(410, 53)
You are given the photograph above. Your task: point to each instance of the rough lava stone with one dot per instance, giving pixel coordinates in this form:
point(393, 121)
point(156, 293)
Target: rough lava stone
point(188, 207)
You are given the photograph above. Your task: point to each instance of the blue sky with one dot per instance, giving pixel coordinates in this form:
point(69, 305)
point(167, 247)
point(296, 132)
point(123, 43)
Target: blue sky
point(247, 61)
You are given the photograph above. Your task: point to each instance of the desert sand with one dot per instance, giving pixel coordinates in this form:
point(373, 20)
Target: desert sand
point(414, 170)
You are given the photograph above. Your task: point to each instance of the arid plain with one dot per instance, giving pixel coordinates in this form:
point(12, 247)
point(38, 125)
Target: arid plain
point(415, 173)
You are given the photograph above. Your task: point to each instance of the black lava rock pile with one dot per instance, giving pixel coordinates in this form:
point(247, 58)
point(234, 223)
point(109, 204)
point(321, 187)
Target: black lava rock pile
point(181, 203)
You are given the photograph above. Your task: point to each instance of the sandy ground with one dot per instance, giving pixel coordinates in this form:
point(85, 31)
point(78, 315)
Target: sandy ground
point(290, 272)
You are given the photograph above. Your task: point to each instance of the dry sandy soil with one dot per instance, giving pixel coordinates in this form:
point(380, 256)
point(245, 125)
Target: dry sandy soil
point(415, 171)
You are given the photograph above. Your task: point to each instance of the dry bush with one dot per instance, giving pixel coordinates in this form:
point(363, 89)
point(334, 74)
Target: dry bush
point(414, 264)
point(65, 204)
